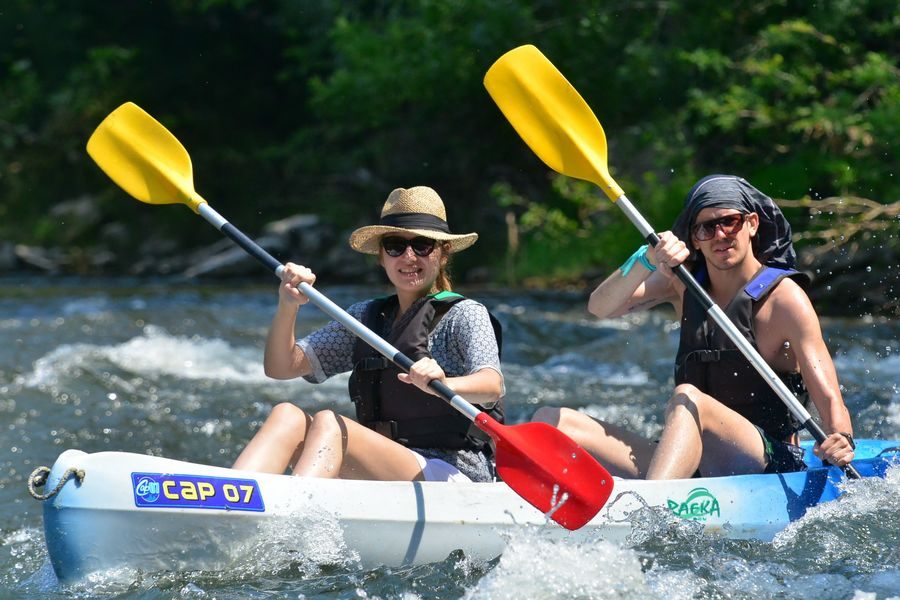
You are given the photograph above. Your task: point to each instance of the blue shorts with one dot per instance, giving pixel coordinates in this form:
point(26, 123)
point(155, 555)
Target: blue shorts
point(454, 465)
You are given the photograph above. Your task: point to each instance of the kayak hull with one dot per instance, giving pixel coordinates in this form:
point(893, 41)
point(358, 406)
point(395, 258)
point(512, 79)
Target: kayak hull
point(154, 514)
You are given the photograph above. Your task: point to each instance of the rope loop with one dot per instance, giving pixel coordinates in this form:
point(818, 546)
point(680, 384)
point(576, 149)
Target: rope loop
point(39, 476)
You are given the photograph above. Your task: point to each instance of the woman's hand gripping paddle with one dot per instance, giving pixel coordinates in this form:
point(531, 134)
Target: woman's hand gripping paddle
point(540, 463)
point(560, 127)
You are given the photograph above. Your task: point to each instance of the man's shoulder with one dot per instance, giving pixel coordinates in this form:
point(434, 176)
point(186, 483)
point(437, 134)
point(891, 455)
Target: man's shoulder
point(789, 292)
point(788, 304)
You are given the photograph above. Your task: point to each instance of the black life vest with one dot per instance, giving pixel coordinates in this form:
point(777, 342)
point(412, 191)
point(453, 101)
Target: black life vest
point(401, 411)
point(709, 360)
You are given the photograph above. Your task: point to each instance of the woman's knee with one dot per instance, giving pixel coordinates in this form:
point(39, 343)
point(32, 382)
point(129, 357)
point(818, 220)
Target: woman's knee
point(289, 416)
point(327, 421)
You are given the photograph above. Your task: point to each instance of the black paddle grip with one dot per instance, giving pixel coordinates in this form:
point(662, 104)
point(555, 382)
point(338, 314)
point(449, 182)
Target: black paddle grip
point(684, 275)
point(405, 363)
point(252, 248)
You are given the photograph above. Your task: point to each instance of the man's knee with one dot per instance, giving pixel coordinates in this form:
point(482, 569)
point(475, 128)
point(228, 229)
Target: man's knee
point(687, 397)
point(547, 414)
point(702, 406)
point(566, 419)
point(686, 390)
point(574, 424)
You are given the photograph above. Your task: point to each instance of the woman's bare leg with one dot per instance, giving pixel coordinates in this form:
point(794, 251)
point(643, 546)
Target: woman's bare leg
point(337, 446)
point(623, 453)
point(278, 443)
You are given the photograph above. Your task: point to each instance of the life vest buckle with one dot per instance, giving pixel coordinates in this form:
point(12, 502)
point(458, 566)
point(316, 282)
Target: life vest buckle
point(710, 355)
point(386, 428)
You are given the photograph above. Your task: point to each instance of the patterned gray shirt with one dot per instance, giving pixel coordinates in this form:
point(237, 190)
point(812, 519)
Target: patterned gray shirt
point(462, 343)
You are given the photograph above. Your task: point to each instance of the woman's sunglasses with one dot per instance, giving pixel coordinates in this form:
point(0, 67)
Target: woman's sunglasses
point(395, 245)
point(729, 224)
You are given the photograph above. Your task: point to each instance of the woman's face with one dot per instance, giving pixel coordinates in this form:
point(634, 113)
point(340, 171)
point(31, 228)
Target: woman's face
point(410, 272)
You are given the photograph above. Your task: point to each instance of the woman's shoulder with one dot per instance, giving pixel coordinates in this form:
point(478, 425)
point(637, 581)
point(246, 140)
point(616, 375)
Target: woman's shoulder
point(468, 306)
point(358, 309)
point(468, 314)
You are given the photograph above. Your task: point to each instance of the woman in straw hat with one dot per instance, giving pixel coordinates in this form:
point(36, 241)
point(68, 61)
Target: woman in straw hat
point(402, 431)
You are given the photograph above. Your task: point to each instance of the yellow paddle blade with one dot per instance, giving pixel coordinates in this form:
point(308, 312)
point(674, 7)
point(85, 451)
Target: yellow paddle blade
point(551, 116)
point(143, 158)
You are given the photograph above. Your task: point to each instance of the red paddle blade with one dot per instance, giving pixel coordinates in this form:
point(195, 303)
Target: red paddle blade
point(546, 468)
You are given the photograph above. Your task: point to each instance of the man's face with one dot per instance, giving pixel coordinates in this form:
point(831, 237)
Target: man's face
point(723, 235)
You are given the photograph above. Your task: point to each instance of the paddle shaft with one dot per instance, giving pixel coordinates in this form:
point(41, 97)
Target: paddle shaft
point(336, 312)
point(743, 344)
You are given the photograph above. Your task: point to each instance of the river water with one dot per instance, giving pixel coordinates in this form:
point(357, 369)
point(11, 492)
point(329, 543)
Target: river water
point(175, 371)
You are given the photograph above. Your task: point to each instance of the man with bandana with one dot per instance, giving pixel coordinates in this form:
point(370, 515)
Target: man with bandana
point(723, 418)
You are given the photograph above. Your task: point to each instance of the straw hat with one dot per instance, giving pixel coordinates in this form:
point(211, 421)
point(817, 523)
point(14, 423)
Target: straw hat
point(418, 210)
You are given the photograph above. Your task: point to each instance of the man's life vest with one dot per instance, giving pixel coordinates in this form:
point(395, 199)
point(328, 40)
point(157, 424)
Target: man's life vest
point(709, 360)
point(401, 411)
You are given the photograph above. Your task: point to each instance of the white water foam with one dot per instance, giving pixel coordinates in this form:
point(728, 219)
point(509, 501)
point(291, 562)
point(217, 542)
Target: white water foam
point(893, 414)
point(876, 367)
point(578, 365)
point(155, 353)
point(860, 498)
point(534, 566)
point(307, 542)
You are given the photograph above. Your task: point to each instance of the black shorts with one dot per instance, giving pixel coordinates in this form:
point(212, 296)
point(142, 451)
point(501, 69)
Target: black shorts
point(781, 457)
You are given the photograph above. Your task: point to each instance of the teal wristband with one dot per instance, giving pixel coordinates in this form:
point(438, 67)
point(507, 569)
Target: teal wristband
point(639, 255)
point(642, 256)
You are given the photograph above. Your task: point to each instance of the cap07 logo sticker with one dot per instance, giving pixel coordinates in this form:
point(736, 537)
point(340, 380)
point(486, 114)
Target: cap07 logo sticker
point(164, 490)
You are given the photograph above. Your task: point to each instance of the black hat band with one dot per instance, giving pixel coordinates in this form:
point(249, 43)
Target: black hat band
point(415, 221)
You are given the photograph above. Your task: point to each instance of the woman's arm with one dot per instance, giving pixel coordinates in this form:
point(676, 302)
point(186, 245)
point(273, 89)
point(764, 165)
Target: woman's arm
point(283, 359)
point(482, 387)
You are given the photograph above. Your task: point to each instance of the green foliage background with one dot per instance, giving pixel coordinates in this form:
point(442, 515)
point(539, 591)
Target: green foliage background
point(324, 106)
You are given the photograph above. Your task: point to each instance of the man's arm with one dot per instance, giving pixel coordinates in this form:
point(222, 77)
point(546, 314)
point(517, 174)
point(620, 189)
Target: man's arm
point(621, 294)
point(641, 288)
point(794, 314)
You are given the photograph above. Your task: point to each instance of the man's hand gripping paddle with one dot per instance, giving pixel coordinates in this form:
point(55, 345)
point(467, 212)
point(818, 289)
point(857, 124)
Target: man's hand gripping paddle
point(559, 126)
point(540, 463)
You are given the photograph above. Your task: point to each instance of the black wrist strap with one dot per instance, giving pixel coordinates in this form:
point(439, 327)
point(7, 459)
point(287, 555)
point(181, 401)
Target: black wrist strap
point(849, 439)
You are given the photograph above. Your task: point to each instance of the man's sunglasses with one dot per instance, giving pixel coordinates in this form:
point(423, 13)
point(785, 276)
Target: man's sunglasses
point(729, 224)
point(395, 245)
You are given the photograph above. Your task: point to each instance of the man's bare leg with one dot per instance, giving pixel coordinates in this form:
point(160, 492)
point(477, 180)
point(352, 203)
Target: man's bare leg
point(701, 432)
point(623, 453)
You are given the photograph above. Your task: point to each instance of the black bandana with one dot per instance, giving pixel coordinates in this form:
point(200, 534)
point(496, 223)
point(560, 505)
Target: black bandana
point(772, 244)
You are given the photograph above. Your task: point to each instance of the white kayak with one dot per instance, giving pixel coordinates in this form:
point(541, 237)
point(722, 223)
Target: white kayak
point(121, 510)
